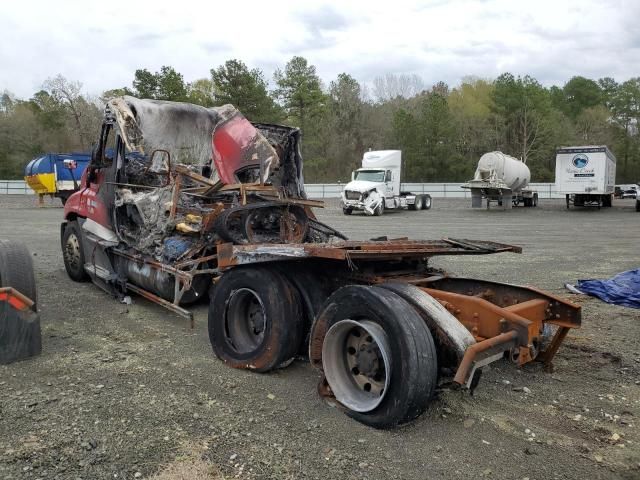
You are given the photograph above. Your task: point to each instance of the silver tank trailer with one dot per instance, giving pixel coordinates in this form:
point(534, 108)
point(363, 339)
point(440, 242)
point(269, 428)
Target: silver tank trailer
point(513, 173)
point(500, 177)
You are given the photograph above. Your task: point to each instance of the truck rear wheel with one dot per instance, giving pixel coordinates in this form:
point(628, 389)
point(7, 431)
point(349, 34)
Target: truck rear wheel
point(378, 356)
point(638, 205)
point(255, 319)
point(73, 253)
point(16, 269)
point(418, 203)
point(426, 204)
point(535, 199)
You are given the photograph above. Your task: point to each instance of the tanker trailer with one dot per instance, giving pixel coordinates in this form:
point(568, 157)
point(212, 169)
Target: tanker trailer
point(502, 179)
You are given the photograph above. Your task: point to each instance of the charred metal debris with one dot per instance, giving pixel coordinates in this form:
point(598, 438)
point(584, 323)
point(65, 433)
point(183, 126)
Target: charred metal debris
point(172, 209)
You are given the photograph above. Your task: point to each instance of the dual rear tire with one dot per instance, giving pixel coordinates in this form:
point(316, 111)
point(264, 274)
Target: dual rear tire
point(422, 202)
point(375, 350)
point(378, 355)
point(255, 319)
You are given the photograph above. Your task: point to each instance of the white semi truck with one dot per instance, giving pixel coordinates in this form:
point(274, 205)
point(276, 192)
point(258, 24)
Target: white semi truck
point(376, 186)
point(503, 179)
point(586, 175)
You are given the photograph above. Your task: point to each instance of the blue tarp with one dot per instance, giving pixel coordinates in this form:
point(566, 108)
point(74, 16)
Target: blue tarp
point(622, 289)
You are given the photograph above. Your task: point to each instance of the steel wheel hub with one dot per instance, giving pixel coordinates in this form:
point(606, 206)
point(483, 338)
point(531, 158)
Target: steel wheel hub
point(357, 363)
point(72, 251)
point(245, 320)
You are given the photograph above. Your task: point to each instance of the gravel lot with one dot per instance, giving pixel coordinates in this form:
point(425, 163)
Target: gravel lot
point(121, 391)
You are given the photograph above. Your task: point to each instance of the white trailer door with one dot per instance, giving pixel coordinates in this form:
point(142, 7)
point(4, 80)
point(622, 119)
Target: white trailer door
point(581, 171)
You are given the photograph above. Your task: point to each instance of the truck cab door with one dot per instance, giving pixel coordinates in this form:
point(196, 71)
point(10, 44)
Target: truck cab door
point(98, 193)
point(388, 182)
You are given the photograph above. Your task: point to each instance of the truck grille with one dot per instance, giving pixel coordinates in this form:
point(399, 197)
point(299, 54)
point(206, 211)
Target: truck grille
point(349, 195)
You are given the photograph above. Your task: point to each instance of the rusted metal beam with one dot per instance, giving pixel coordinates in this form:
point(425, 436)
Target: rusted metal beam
point(547, 355)
point(485, 319)
point(503, 341)
point(175, 197)
point(161, 301)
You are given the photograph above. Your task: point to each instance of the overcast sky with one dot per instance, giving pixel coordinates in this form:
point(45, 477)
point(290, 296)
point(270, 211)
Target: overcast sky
point(101, 44)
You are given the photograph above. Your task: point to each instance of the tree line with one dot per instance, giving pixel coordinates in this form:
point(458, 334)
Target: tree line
point(441, 130)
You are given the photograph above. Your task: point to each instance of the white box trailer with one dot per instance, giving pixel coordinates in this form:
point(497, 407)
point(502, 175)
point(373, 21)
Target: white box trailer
point(586, 175)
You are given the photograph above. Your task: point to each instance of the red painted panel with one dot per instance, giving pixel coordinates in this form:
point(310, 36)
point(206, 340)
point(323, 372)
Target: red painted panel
point(230, 143)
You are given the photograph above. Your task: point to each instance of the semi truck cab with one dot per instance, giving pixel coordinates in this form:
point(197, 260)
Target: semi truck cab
point(376, 186)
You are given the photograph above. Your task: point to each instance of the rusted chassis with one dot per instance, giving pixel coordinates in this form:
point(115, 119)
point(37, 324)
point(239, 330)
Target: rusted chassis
point(473, 322)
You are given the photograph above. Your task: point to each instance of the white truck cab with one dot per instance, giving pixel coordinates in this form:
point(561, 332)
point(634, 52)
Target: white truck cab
point(376, 186)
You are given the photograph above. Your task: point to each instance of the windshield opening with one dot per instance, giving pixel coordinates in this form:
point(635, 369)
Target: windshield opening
point(370, 175)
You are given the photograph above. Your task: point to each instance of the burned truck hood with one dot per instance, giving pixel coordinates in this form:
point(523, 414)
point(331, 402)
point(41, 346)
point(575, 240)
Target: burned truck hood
point(219, 138)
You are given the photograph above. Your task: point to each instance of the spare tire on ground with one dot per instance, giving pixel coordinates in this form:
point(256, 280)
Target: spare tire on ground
point(16, 270)
point(20, 335)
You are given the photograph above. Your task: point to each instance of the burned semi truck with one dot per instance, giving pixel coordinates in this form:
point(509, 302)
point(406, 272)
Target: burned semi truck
point(181, 202)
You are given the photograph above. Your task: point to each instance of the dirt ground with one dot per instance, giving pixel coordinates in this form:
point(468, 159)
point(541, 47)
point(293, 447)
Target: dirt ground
point(120, 391)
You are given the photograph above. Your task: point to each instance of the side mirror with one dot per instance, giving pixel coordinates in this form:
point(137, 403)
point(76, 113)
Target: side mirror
point(70, 164)
point(95, 153)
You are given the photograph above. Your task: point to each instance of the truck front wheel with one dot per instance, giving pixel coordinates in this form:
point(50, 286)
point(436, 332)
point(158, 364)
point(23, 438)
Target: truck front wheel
point(73, 252)
point(378, 355)
point(255, 319)
point(347, 211)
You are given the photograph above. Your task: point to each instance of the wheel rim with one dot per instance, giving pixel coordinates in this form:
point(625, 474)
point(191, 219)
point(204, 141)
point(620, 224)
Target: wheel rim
point(418, 203)
point(72, 252)
point(427, 202)
point(245, 320)
point(357, 363)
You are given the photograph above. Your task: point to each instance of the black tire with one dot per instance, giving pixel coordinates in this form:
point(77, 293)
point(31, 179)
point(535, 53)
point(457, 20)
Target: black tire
point(73, 252)
point(379, 209)
point(236, 299)
point(16, 270)
point(418, 203)
point(313, 289)
point(637, 205)
point(347, 211)
point(414, 366)
point(535, 199)
point(426, 204)
point(568, 199)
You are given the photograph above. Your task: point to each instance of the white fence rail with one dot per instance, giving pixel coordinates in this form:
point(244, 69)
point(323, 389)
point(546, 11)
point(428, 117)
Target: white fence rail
point(333, 190)
point(14, 187)
point(436, 190)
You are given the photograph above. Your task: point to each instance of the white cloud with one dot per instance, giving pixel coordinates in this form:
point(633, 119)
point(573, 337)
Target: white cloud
point(103, 45)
